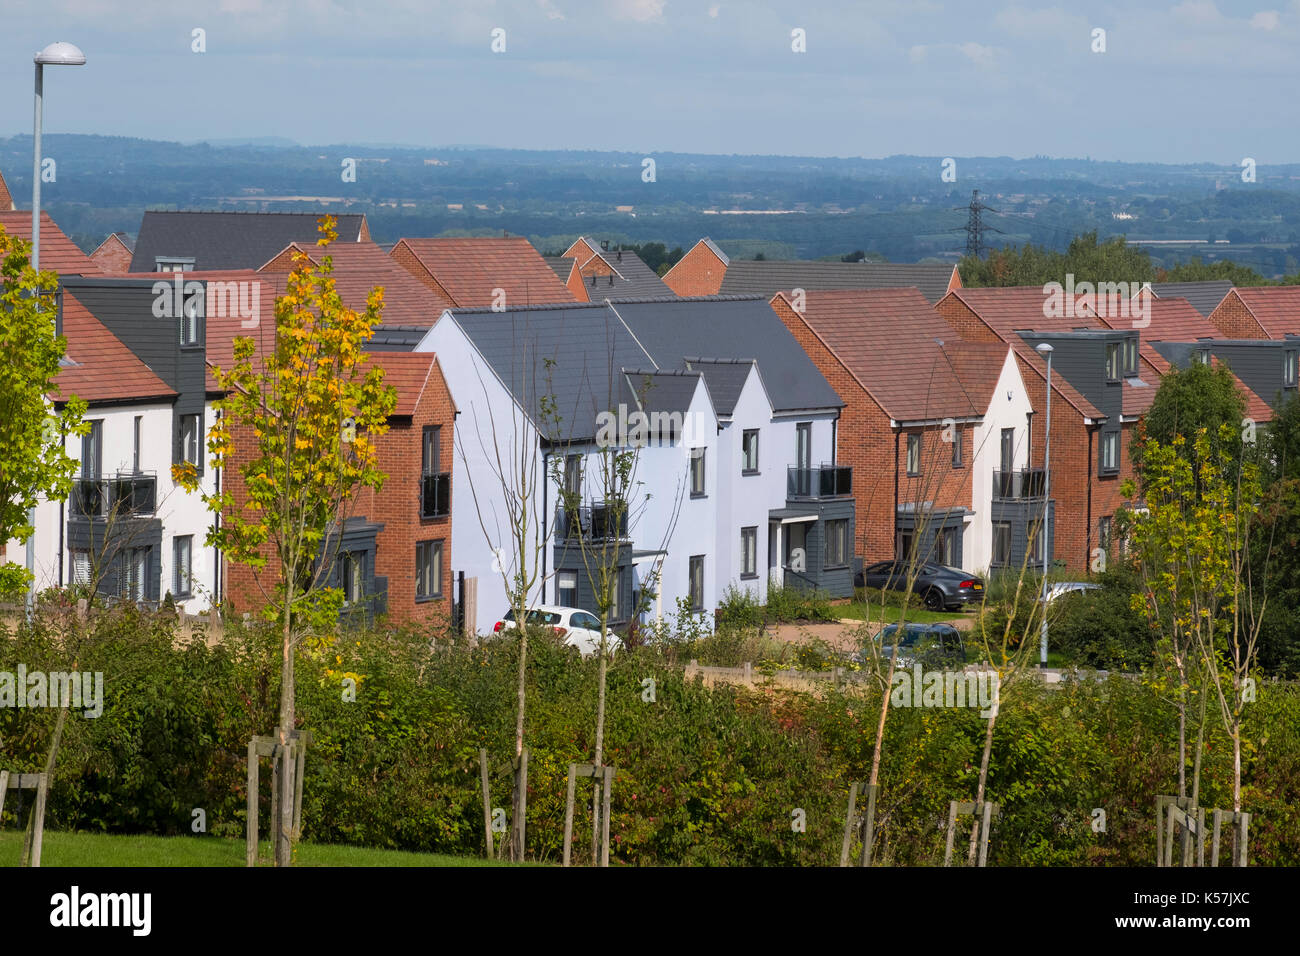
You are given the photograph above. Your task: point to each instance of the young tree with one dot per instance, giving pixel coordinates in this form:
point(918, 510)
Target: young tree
point(1197, 397)
point(283, 426)
point(33, 461)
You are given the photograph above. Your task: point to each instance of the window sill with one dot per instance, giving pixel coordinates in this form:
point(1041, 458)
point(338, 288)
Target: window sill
point(749, 577)
point(749, 473)
point(433, 599)
point(698, 494)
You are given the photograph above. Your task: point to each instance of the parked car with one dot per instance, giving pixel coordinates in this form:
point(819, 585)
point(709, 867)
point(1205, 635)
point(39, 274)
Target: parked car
point(579, 628)
point(939, 586)
point(935, 645)
point(1062, 588)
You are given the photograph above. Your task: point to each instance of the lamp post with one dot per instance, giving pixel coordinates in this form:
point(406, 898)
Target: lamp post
point(1045, 350)
point(56, 54)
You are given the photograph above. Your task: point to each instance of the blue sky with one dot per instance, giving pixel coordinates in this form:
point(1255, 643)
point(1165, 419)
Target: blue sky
point(1196, 81)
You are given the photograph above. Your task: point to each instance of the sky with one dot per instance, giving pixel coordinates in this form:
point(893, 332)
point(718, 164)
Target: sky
point(1195, 81)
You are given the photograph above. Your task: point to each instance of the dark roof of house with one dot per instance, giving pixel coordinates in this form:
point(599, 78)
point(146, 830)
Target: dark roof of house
point(58, 253)
point(632, 279)
point(1204, 296)
point(230, 240)
point(562, 266)
point(730, 327)
point(725, 378)
point(767, 277)
point(662, 391)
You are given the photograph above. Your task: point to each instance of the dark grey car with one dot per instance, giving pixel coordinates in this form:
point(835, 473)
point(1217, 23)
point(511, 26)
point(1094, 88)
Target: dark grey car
point(939, 586)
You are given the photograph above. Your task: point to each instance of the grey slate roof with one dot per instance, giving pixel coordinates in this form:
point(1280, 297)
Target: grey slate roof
point(662, 391)
point(1204, 296)
point(768, 277)
point(633, 279)
point(725, 378)
point(560, 265)
point(723, 327)
point(230, 240)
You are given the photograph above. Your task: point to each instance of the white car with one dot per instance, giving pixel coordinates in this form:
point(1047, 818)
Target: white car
point(579, 628)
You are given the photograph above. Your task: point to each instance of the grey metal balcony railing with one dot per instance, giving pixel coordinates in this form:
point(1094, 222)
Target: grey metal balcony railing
point(1026, 484)
point(595, 522)
point(435, 494)
point(826, 481)
point(123, 496)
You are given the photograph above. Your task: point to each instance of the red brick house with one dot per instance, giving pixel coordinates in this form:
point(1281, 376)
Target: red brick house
point(700, 271)
point(113, 255)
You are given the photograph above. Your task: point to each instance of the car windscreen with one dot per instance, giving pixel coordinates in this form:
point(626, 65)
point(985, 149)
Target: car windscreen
point(908, 638)
point(543, 617)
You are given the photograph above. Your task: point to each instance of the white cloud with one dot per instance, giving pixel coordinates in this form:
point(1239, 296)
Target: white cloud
point(1266, 20)
point(979, 54)
point(641, 10)
point(713, 10)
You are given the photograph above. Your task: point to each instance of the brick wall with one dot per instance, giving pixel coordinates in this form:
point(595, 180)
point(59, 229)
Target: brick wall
point(699, 272)
point(865, 441)
point(1234, 320)
point(396, 506)
point(111, 256)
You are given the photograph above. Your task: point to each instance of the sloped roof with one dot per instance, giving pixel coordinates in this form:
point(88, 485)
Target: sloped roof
point(220, 331)
point(99, 367)
point(119, 238)
point(767, 277)
point(631, 279)
point(722, 327)
point(562, 266)
point(725, 377)
point(659, 390)
point(231, 240)
point(6, 199)
point(470, 269)
point(1203, 296)
point(889, 341)
point(409, 373)
point(58, 253)
point(358, 268)
point(1275, 307)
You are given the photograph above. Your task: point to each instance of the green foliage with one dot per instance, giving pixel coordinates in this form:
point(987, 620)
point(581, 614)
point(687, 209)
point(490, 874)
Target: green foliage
point(739, 608)
point(1086, 259)
point(705, 777)
point(1100, 628)
point(788, 604)
point(1190, 399)
point(1197, 271)
point(33, 461)
point(1281, 442)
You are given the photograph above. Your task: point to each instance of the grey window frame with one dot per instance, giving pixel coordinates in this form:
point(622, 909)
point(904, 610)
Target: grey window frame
point(425, 565)
point(431, 449)
point(749, 552)
point(1003, 529)
point(92, 449)
point(1114, 361)
point(695, 588)
point(197, 460)
point(699, 477)
point(1290, 367)
point(1106, 442)
point(837, 540)
point(573, 475)
point(186, 541)
point(748, 467)
point(560, 589)
point(958, 459)
point(913, 445)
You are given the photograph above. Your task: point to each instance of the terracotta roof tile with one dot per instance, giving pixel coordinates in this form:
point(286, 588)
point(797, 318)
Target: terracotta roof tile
point(102, 368)
point(409, 373)
point(58, 253)
point(1276, 308)
point(471, 268)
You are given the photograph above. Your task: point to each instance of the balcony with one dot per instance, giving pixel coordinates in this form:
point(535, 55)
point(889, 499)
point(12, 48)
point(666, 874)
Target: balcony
point(595, 522)
point(124, 496)
point(435, 495)
point(826, 481)
point(1027, 484)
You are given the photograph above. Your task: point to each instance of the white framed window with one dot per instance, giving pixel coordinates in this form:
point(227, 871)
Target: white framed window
point(913, 455)
point(566, 588)
point(428, 570)
point(1110, 452)
point(190, 436)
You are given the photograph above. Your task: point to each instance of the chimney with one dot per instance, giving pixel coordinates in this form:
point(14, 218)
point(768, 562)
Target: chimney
point(604, 245)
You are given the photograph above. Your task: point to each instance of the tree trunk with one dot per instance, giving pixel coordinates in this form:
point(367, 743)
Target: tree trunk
point(979, 790)
point(600, 745)
point(516, 842)
point(283, 844)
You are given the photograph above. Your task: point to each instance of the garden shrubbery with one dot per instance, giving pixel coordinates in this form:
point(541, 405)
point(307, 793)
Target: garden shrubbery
point(704, 776)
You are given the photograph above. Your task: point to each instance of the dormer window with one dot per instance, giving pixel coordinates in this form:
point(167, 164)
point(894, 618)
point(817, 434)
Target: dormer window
point(1113, 359)
point(190, 322)
point(173, 263)
point(1289, 368)
point(1201, 356)
point(1131, 356)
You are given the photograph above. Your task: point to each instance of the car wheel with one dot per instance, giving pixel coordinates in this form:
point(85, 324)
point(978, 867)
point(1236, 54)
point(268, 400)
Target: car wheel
point(934, 600)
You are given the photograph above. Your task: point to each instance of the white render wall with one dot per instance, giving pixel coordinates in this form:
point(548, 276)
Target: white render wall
point(1009, 408)
point(181, 513)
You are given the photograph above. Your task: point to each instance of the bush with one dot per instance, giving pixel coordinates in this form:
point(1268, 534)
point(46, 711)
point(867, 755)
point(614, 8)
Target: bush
point(790, 604)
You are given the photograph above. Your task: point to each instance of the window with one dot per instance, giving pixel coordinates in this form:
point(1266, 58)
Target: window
point(905, 539)
point(1103, 533)
point(92, 449)
point(80, 571)
point(428, 570)
point(351, 568)
point(1036, 541)
point(1289, 368)
point(956, 448)
point(749, 452)
point(697, 582)
point(837, 539)
point(803, 445)
point(173, 263)
point(190, 439)
point(913, 455)
point(573, 475)
point(566, 588)
point(1110, 452)
point(749, 552)
point(135, 444)
point(1201, 356)
point(945, 547)
point(697, 472)
point(1131, 356)
point(616, 611)
point(1001, 542)
point(431, 449)
point(190, 325)
point(1112, 361)
point(183, 565)
point(135, 580)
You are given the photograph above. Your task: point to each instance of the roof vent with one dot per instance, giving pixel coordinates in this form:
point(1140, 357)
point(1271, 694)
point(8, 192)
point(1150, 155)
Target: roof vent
point(604, 245)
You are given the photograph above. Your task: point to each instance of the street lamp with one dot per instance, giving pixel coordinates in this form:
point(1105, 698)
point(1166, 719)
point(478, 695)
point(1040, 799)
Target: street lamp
point(56, 54)
point(1045, 350)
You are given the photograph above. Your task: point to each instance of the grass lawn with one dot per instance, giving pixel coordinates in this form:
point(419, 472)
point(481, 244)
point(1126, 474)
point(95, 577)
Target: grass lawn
point(857, 611)
point(101, 849)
